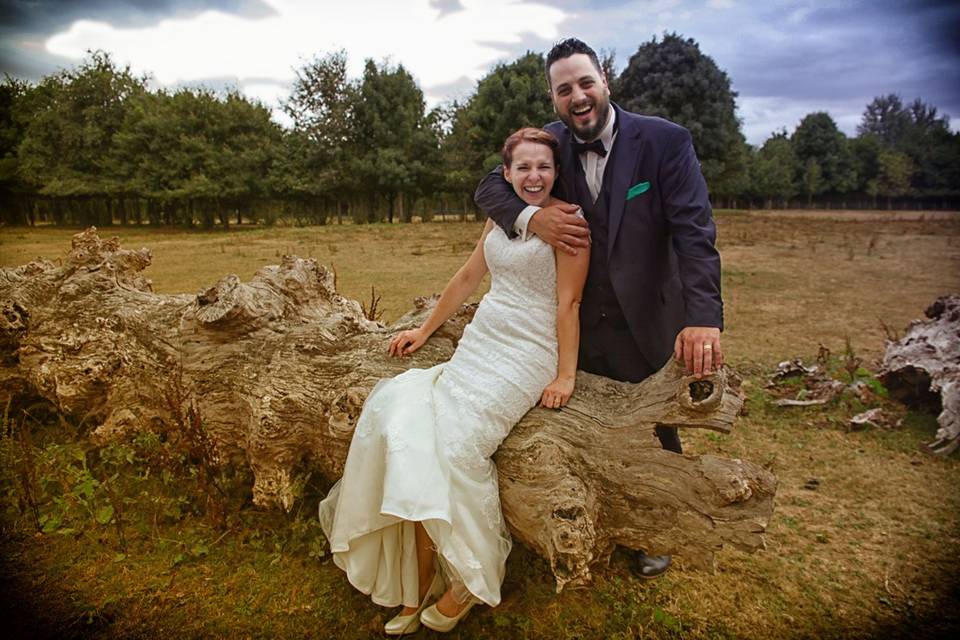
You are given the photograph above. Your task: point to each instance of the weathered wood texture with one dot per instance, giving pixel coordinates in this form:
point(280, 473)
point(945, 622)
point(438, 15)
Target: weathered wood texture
point(279, 368)
point(925, 364)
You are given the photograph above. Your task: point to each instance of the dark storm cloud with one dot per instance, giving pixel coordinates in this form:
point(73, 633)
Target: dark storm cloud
point(801, 56)
point(925, 24)
point(25, 24)
point(784, 57)
point(845, 55)
point(44, 17)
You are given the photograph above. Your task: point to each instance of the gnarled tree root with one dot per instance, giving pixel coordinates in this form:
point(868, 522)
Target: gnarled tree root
point(925, 364)
point(279, 368)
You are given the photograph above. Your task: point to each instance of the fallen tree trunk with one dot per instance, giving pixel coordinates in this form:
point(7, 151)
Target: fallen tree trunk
point(279, 369)
point(922, 369)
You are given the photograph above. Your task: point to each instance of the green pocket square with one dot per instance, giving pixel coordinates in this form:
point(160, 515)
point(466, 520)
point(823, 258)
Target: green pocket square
point(637, 189)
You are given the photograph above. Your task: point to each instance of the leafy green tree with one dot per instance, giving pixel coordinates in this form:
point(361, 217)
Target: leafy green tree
point(198, 155)
point(428, 148)
point(919, 132)
point(817, 138)
point(938, 169)
point(893, 177)
point(733, 180)
point(66, 148)
point(248, 141)
point(312, 168)
point(395, 149)
point(511, 96)
point(924, 116)
point(14, 118)
point(321, 101)
point(933, 150)
point(812, 180)
point(673, 79)
point(142, 152)
point(886, 118)
point(866, 150)
point(302, 183)
point(459, 167)
point(845, 179)
point(608, 64)
point(774, 170)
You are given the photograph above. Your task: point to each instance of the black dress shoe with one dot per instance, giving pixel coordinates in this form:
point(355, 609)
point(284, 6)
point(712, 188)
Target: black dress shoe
point(651, 566)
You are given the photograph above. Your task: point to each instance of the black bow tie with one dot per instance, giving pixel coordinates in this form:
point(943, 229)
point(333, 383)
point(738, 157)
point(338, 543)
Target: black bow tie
point(596, 146)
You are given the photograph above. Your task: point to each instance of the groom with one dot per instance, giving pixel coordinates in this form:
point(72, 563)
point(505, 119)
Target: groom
point(654, 282)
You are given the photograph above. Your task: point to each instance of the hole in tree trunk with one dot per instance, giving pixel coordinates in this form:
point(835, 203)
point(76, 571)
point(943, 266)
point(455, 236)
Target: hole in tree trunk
point(700, 390)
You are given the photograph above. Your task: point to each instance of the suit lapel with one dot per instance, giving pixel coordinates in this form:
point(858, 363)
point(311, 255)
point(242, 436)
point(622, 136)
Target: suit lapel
point(624, 168)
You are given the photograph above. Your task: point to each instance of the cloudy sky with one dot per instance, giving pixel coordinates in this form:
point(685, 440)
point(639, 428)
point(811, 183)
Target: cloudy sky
point(786, 58)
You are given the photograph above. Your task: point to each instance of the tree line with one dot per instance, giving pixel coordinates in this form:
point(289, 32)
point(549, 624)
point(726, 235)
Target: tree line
point(95, 145)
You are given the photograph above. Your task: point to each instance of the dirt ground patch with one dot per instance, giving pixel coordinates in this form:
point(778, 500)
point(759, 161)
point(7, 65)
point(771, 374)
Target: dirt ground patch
point(867, 551)
point(789, 282)
point(857, 215)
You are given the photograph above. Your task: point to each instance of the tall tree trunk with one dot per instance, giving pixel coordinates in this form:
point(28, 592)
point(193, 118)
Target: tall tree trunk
point(205, 211)
point(223, 212)
point(103, 211)
point(120, 209)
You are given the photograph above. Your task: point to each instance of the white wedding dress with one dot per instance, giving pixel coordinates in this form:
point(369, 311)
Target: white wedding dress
point(422, 446)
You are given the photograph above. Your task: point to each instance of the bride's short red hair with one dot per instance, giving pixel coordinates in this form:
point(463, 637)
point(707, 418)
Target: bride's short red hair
point(530, 134)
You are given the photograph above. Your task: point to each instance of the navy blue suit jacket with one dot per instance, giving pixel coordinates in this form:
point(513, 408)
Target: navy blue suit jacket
point(663, 265)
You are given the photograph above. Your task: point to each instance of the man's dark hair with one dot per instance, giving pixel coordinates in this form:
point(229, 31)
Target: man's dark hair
point(567, 48)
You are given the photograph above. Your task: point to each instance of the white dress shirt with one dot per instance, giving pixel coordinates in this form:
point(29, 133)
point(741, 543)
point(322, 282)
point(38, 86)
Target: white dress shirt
point(593, 165)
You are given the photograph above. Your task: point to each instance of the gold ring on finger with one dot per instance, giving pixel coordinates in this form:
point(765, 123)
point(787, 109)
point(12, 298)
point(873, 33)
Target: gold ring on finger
point(708, 347)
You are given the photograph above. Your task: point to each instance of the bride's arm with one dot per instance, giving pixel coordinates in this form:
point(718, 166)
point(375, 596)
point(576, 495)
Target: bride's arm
point(463, 283)
point(571, 276)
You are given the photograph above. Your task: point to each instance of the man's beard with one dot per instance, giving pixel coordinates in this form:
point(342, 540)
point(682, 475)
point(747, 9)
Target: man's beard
point(591, 134)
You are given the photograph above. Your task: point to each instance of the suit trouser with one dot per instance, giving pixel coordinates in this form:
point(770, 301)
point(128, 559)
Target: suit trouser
point(609, 350)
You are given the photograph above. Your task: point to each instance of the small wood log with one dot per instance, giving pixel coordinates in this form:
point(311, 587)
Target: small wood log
point(923, 369)
point(279, 369)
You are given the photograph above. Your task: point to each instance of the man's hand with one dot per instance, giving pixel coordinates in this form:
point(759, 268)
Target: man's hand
point(699, 348)
point(559, 226)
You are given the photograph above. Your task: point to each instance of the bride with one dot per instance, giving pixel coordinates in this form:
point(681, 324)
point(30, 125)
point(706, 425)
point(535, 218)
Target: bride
point(416, 515)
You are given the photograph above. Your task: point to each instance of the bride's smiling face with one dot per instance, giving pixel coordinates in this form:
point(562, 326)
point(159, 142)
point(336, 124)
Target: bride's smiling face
point(532, 172)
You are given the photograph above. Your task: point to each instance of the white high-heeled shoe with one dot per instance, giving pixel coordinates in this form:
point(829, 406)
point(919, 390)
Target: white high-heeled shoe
point(401, 625)
point(433, 619)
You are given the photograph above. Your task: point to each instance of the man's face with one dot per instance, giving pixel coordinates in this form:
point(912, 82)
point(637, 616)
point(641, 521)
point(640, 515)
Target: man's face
point(580, 95)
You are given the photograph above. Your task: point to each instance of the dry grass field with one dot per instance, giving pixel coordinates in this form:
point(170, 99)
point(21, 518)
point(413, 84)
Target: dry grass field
point(869, 552)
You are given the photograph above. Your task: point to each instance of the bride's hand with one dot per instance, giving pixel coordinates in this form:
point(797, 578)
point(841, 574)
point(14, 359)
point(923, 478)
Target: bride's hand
point(406, 342)
point(557, 393)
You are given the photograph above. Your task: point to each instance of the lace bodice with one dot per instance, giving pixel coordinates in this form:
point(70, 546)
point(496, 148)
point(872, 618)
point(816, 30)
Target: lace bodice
point(508, 353)
point(523, 273)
